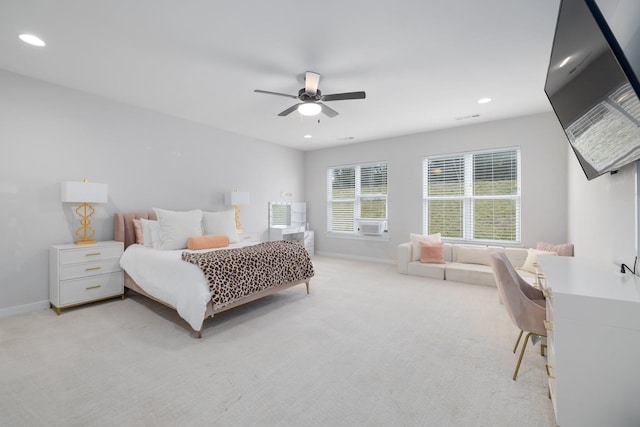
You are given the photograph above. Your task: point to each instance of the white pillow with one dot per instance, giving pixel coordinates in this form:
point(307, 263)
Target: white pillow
point(415, 243)
point(532, 258)
point(150, 230)
point(176, 227)
point(473, 255)
point(221, 223)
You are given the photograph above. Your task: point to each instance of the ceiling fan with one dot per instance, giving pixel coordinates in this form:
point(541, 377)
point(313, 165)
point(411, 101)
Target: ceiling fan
point(311, 98)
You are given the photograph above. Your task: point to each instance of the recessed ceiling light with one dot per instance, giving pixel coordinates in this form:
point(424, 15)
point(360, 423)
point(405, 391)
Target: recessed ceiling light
point(32, 40)
point(484, 100)
point(307, 136)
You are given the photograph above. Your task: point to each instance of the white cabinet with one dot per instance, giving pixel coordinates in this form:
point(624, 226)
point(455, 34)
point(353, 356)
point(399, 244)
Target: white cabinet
point(249, 236)
point(309, 242)
point(79, 274)
point(301, 236)
point(298, 214)
point(593, 322)
point(288, 221)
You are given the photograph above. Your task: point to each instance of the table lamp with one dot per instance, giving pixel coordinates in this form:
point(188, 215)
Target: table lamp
point(84, 193)
point(237, 198)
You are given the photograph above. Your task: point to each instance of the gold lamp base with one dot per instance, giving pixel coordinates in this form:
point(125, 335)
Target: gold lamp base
point(85, 232)
point(237, 214)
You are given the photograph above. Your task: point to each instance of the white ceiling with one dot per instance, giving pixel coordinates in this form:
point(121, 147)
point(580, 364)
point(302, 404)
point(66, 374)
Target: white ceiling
point(422, 63)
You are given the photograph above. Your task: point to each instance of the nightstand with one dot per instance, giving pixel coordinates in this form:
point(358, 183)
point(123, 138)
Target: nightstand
point(79, 274)
point(309, 242)
point(249, 236)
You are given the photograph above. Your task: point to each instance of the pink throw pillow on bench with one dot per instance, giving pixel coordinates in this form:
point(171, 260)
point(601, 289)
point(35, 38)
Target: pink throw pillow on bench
point(432, 252)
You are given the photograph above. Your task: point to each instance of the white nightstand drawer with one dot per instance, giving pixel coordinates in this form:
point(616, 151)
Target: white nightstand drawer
point(90, 288)
point(72, 271)
point(248, 236)
point(90, 253)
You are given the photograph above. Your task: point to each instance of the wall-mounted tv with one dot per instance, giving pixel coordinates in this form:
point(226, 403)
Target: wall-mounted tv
point(593, 81)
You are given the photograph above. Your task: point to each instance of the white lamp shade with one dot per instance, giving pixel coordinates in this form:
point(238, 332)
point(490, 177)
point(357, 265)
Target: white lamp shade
point(236, 198)
point(84, 192)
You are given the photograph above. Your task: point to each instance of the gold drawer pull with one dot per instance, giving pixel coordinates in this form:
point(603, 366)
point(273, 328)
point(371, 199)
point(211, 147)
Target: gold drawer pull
point(94, 254)
point(93, 287)
point(547, 325)
point(549, 373)
point(92, 268)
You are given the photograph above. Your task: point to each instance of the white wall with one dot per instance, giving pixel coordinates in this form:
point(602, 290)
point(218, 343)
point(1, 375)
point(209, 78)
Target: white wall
point(602, 214)
point(51, 134)
point(544, 180)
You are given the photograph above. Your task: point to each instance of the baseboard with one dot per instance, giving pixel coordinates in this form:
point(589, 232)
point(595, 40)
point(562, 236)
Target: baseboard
point(356, 257)
point(20, 309)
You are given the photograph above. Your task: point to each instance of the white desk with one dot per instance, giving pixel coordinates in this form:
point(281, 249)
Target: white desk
point(593, 315)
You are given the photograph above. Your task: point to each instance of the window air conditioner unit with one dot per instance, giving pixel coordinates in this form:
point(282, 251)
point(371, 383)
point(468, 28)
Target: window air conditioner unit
point(371, 228)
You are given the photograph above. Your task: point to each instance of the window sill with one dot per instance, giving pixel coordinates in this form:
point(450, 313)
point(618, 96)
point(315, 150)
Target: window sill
point(483, 243)
point(349, 236)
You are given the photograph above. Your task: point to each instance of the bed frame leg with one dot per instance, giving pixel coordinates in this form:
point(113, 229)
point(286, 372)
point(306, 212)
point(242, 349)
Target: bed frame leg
point(200, 332)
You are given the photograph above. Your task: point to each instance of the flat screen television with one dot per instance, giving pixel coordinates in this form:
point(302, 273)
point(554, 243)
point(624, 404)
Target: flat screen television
point(593, 81)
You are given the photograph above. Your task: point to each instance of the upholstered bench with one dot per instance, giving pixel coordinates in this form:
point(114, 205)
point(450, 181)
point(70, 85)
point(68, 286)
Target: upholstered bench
point(463, 263)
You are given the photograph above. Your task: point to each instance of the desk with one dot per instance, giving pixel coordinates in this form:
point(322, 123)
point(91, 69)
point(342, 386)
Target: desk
point(593, 322)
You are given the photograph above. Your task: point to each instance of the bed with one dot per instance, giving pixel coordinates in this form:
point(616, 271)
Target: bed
point(165, 277)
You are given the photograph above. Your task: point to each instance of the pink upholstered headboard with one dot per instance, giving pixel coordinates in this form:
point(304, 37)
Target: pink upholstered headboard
point(123, 226)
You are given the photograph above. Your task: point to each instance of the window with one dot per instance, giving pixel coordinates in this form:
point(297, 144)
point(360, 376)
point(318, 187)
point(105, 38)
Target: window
point(473, 196)
point(354, 193)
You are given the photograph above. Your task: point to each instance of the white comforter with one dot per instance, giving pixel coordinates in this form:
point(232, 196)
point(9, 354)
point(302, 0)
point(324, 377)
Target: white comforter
point(165, 276)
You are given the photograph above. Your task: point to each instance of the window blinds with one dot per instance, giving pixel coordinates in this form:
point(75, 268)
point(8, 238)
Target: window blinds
point(355, 192)
point(473, 196)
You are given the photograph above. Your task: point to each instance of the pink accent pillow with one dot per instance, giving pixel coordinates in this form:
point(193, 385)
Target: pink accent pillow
point(565, 249)
point(137, 228)
point(207, 242)
point(432, 252)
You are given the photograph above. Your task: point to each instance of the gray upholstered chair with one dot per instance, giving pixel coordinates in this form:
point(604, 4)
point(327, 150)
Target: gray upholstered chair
point(524, 303)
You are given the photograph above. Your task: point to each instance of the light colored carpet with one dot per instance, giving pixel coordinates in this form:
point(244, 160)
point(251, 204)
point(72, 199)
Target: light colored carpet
point(367, 347)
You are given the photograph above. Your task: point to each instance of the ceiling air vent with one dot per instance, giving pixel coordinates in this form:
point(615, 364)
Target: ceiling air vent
point(470, 116)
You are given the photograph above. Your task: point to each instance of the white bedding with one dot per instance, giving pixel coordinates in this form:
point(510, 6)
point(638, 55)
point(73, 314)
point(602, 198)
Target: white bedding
point(165, 276)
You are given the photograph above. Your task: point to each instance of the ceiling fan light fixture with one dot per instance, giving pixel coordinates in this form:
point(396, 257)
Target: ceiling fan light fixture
point(309, 109)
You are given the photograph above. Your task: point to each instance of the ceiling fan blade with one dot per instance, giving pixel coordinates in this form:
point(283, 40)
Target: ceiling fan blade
point(311, 81)
point(344, 96)
point(328, 111)
point(275, 93)
point(289, 110)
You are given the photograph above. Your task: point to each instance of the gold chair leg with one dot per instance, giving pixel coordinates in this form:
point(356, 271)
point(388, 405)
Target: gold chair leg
point(517, 342)
point(524, 346)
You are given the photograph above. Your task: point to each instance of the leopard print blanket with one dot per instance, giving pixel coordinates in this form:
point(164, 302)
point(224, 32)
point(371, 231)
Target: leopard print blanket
point(236, 273)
